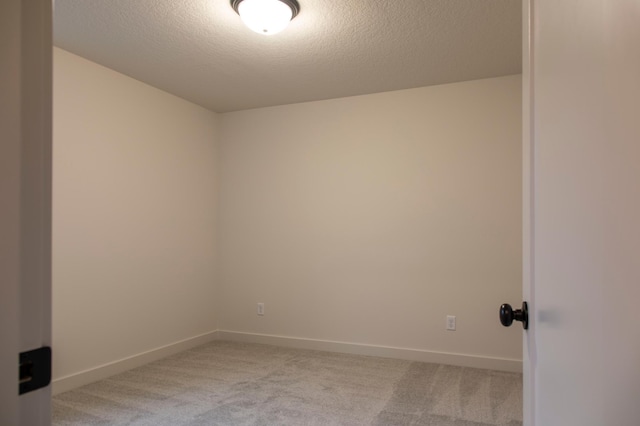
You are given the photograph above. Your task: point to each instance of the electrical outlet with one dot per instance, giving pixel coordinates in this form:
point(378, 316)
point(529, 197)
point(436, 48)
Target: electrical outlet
point(451, 322)
point(260, 309)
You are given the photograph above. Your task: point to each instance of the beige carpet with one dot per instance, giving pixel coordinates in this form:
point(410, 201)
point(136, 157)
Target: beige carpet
point(227, 383)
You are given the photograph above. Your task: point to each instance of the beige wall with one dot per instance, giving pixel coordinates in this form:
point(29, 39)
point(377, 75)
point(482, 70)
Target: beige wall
point(369, 219)
point(133, 217)
point(363, 220)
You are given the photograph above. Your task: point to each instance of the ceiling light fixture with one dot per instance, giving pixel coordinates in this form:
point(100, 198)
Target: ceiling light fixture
point(266, 16)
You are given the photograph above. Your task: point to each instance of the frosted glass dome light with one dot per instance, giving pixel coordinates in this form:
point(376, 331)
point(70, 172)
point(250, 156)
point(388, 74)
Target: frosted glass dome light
point(266, 17)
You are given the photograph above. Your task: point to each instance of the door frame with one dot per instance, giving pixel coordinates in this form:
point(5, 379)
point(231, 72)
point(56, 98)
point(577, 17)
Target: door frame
point(10, 188)
point(528, 339)
point(25, 191)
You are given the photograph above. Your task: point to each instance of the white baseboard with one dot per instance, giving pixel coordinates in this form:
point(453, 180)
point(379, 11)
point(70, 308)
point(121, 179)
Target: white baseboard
point(63, 384)
point(474, 361)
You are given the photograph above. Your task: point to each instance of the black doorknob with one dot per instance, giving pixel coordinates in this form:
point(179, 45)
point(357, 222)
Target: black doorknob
point(508, 315)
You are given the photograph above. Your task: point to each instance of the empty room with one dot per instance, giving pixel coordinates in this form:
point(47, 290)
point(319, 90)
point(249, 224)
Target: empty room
point(349, 187)
point(311, 227)
point(281, 212)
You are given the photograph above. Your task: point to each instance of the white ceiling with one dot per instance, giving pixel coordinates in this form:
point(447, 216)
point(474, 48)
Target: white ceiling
point(201, 51)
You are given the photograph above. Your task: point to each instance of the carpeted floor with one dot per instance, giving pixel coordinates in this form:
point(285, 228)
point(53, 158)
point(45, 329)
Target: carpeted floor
point(227, 383)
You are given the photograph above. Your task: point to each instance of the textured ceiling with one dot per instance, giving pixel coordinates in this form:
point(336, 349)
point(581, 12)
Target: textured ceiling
point(201, 51)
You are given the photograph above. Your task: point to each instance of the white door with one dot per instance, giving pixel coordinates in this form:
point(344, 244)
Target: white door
point(25, 201)
point(582, 167)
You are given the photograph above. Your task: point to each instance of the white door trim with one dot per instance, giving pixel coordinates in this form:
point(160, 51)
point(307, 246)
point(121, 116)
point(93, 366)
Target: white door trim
point(528, 350)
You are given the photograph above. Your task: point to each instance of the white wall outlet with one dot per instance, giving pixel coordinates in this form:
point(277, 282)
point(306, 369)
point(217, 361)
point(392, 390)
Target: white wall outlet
point(261, 309)
point(451, 322)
